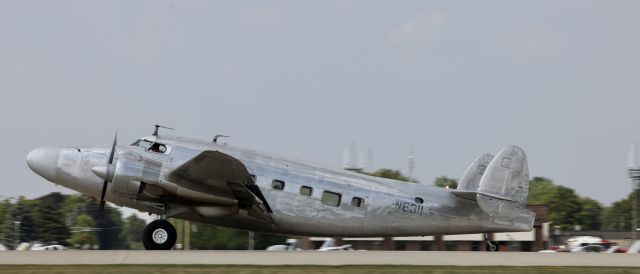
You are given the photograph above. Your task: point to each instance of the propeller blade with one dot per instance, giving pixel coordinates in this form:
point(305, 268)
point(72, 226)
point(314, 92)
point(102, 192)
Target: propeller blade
point(101, 208)
point(104, 184)
point(113, 148)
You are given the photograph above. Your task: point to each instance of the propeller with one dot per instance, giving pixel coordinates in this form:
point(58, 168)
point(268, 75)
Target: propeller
point(106, 178)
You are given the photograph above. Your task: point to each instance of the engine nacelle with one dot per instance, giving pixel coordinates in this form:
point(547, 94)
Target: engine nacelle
point(129, 171)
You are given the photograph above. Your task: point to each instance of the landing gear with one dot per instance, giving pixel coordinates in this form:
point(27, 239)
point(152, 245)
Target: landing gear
point(493, 246)
point(490, 245)
point(159, 235)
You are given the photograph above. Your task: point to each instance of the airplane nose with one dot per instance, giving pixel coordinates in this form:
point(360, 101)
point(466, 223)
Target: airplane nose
point(44, 162)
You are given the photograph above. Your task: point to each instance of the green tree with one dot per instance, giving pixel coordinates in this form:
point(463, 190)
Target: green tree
point(110, 226)
point(51, 230)
point(19, 224)
point(541, 190)
point(132, 232)
point(619, 216)
point(214, 237)
point(444, 181)
point(392, 174)
point(73, 206)
point(590, 214)
point(564, 208)
point(5, 210)
point(84, 234)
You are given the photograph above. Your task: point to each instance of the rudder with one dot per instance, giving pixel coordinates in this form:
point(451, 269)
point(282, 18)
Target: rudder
point(504, 187)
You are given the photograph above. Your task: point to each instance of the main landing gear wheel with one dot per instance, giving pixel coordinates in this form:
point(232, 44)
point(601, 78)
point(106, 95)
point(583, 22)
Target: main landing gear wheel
point(490, 245)
point(159, 235)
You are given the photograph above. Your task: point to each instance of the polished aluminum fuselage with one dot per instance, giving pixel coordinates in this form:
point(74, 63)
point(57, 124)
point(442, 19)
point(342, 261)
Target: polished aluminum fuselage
point(390, 207)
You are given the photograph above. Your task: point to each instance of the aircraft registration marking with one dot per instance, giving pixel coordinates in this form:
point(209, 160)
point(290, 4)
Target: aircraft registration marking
point(408, 207)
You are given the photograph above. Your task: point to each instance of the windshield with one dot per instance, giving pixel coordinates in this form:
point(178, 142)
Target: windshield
point(143, 143)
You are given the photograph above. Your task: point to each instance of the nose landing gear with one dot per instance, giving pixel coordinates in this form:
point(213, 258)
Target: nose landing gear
point(159, 235)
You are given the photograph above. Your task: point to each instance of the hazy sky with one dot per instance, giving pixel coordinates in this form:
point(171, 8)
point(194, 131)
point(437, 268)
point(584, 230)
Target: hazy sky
point(303, 79)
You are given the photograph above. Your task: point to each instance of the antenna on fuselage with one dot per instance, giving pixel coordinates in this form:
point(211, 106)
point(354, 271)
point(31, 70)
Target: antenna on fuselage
point(215, 138)
point(412, 162)
point(155, 132)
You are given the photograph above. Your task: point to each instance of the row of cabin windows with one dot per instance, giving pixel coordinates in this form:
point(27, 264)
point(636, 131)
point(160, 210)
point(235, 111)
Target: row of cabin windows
point(328, 197)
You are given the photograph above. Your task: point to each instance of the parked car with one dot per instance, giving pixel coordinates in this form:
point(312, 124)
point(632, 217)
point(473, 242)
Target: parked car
point(292, 245)
point(49, 247)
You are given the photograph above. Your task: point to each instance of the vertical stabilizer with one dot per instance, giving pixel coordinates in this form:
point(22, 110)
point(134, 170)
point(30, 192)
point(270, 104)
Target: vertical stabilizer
point(504, 187)
point(470, 180)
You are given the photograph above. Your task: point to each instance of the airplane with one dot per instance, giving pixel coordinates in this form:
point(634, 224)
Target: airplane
point(225, 185)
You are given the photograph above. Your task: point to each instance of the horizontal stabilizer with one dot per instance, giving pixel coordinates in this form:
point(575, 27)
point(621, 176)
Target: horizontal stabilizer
point(465, 194)
point(499, 197)
point(473, 195)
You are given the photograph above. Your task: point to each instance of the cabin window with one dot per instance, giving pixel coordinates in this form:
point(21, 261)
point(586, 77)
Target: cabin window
point(357, 202)
point(306, 190)
point(419, 200)
point(277, 184)
point(331, 198)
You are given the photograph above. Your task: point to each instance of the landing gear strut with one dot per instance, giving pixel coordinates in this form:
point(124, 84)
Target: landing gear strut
point(159, 235)
point(491, 245)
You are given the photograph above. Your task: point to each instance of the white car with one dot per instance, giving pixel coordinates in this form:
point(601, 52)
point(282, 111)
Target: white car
point(49, 247)
point(292, 245)
point(330, 245)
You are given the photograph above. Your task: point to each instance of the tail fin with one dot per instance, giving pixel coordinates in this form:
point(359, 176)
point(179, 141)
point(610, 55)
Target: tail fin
point(470, 180)
point(504, 187)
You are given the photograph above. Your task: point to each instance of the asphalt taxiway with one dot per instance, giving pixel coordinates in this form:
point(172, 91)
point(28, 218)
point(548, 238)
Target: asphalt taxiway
point(73, 257)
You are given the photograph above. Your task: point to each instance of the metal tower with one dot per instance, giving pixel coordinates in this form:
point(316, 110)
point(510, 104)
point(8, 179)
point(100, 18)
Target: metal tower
point(634, 174)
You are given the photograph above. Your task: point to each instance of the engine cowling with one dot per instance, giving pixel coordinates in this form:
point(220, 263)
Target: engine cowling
point(129, 172)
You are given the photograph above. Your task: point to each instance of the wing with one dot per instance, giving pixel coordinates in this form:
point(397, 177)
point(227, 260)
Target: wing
point(216, 173)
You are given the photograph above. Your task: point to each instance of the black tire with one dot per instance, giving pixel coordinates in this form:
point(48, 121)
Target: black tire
point(159, 235)
point(492, 246)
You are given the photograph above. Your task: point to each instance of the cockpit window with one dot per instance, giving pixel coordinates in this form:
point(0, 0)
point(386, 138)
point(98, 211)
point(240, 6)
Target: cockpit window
point(158, 148)
point(151, 146)
point(143, 143)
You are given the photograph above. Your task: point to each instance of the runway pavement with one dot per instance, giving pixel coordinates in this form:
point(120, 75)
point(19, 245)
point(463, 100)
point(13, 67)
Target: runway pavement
point(320, 258)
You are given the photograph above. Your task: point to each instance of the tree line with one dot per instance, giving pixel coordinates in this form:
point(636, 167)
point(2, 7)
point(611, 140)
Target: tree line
point(568, 210)
point(69, 220)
